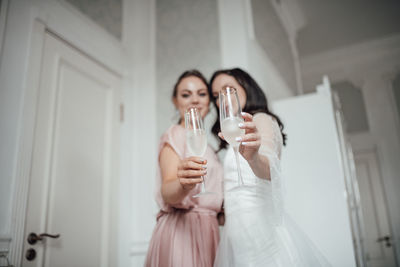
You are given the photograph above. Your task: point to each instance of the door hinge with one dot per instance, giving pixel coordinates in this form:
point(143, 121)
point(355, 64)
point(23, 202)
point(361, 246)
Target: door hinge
point(121, 112)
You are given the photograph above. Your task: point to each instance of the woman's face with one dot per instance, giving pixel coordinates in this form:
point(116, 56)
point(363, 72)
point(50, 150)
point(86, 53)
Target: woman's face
point(224, 80)
point(192, 92)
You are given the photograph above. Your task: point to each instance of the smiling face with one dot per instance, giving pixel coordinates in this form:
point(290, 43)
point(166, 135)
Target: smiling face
point(224, 80)
point(191, 92)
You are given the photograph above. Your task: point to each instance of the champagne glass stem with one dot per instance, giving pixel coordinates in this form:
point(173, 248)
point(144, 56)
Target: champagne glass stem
point(203, 185)
point(240, 179)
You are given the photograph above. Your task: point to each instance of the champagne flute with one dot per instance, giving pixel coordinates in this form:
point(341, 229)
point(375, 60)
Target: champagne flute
point(230, 117)
point(196, 139)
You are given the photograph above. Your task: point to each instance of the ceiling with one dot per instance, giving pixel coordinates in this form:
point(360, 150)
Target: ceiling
point(333, 24)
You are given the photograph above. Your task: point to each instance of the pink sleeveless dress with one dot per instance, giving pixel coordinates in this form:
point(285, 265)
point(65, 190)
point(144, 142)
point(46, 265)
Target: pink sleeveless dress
point(187, 234)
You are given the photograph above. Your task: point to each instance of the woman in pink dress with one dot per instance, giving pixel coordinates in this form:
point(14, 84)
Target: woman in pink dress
point(186, 233)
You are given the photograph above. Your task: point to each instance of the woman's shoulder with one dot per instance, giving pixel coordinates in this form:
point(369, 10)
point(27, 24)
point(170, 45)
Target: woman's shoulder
point(175, 131)
point(175, 137)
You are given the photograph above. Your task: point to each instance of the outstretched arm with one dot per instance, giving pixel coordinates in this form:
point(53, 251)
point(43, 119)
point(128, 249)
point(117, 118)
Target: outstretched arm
point(179, 176)
point(257, 131)
point(258, 142)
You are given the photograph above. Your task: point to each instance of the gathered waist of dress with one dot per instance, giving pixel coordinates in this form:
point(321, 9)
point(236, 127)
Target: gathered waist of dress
point(198, 210)
point(248, 201)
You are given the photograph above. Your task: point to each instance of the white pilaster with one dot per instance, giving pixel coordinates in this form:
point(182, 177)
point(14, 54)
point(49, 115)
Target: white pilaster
point(140, 130)
point(233, 25)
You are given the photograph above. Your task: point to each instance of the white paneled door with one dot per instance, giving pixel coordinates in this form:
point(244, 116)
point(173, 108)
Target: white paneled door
point(74, 180)
point(313, 175)
point(378, 242)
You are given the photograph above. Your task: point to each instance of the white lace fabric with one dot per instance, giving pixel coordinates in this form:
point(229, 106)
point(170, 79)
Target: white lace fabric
point(271, 147)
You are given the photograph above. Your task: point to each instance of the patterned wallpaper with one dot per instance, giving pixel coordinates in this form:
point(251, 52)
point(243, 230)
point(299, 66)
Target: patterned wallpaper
point(274, 40)
point(106, 13)
point(187, 37)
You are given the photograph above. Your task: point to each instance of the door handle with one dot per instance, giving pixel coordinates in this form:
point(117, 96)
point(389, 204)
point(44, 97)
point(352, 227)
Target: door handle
point(33, 238)
point(385, 239)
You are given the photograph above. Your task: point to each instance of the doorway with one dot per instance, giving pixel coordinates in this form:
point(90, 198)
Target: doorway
point(73, 191)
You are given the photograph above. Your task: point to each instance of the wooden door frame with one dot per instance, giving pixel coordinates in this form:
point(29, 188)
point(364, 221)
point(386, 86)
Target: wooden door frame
point(34, 18)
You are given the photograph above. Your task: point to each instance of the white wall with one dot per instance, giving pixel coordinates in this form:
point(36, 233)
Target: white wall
point(264, 72)
point(141, 140)
point(332, 24)
point(210, 35)
point(274, 40)
point(106, 13)
point(240, 48)
point(187, 38)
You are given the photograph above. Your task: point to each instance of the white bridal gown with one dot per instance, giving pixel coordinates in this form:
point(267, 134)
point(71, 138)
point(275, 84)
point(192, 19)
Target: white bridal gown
point(257, 231)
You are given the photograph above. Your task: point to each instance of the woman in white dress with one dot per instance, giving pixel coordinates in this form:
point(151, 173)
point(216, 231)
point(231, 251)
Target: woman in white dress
point(257, 231)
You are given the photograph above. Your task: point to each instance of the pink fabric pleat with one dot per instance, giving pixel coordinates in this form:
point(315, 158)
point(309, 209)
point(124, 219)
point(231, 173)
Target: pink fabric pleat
point(184, 238)
point(187, 234)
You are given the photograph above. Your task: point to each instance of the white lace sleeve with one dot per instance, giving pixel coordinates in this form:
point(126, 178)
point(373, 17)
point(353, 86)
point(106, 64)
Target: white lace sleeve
point(271, 146)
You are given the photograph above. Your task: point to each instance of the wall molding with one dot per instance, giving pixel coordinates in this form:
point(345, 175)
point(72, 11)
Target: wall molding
point(5, 244)
point(74, 27)
point(291, 16)
point(3, 20)
point(266, 74)
point(293, 19)
point(25, 142)
point(379, 55)
point(362, 141)
point(4, 249)
point(139, 248)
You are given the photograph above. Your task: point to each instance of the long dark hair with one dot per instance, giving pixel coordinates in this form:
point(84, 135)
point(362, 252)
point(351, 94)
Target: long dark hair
point(185, 74)
point(256, 100)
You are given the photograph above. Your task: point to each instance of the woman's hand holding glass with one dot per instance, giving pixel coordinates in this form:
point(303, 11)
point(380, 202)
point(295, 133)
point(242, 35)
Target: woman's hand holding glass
point(249, 143)
point(230, 117)
point(196, 139)
point(190, 172)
